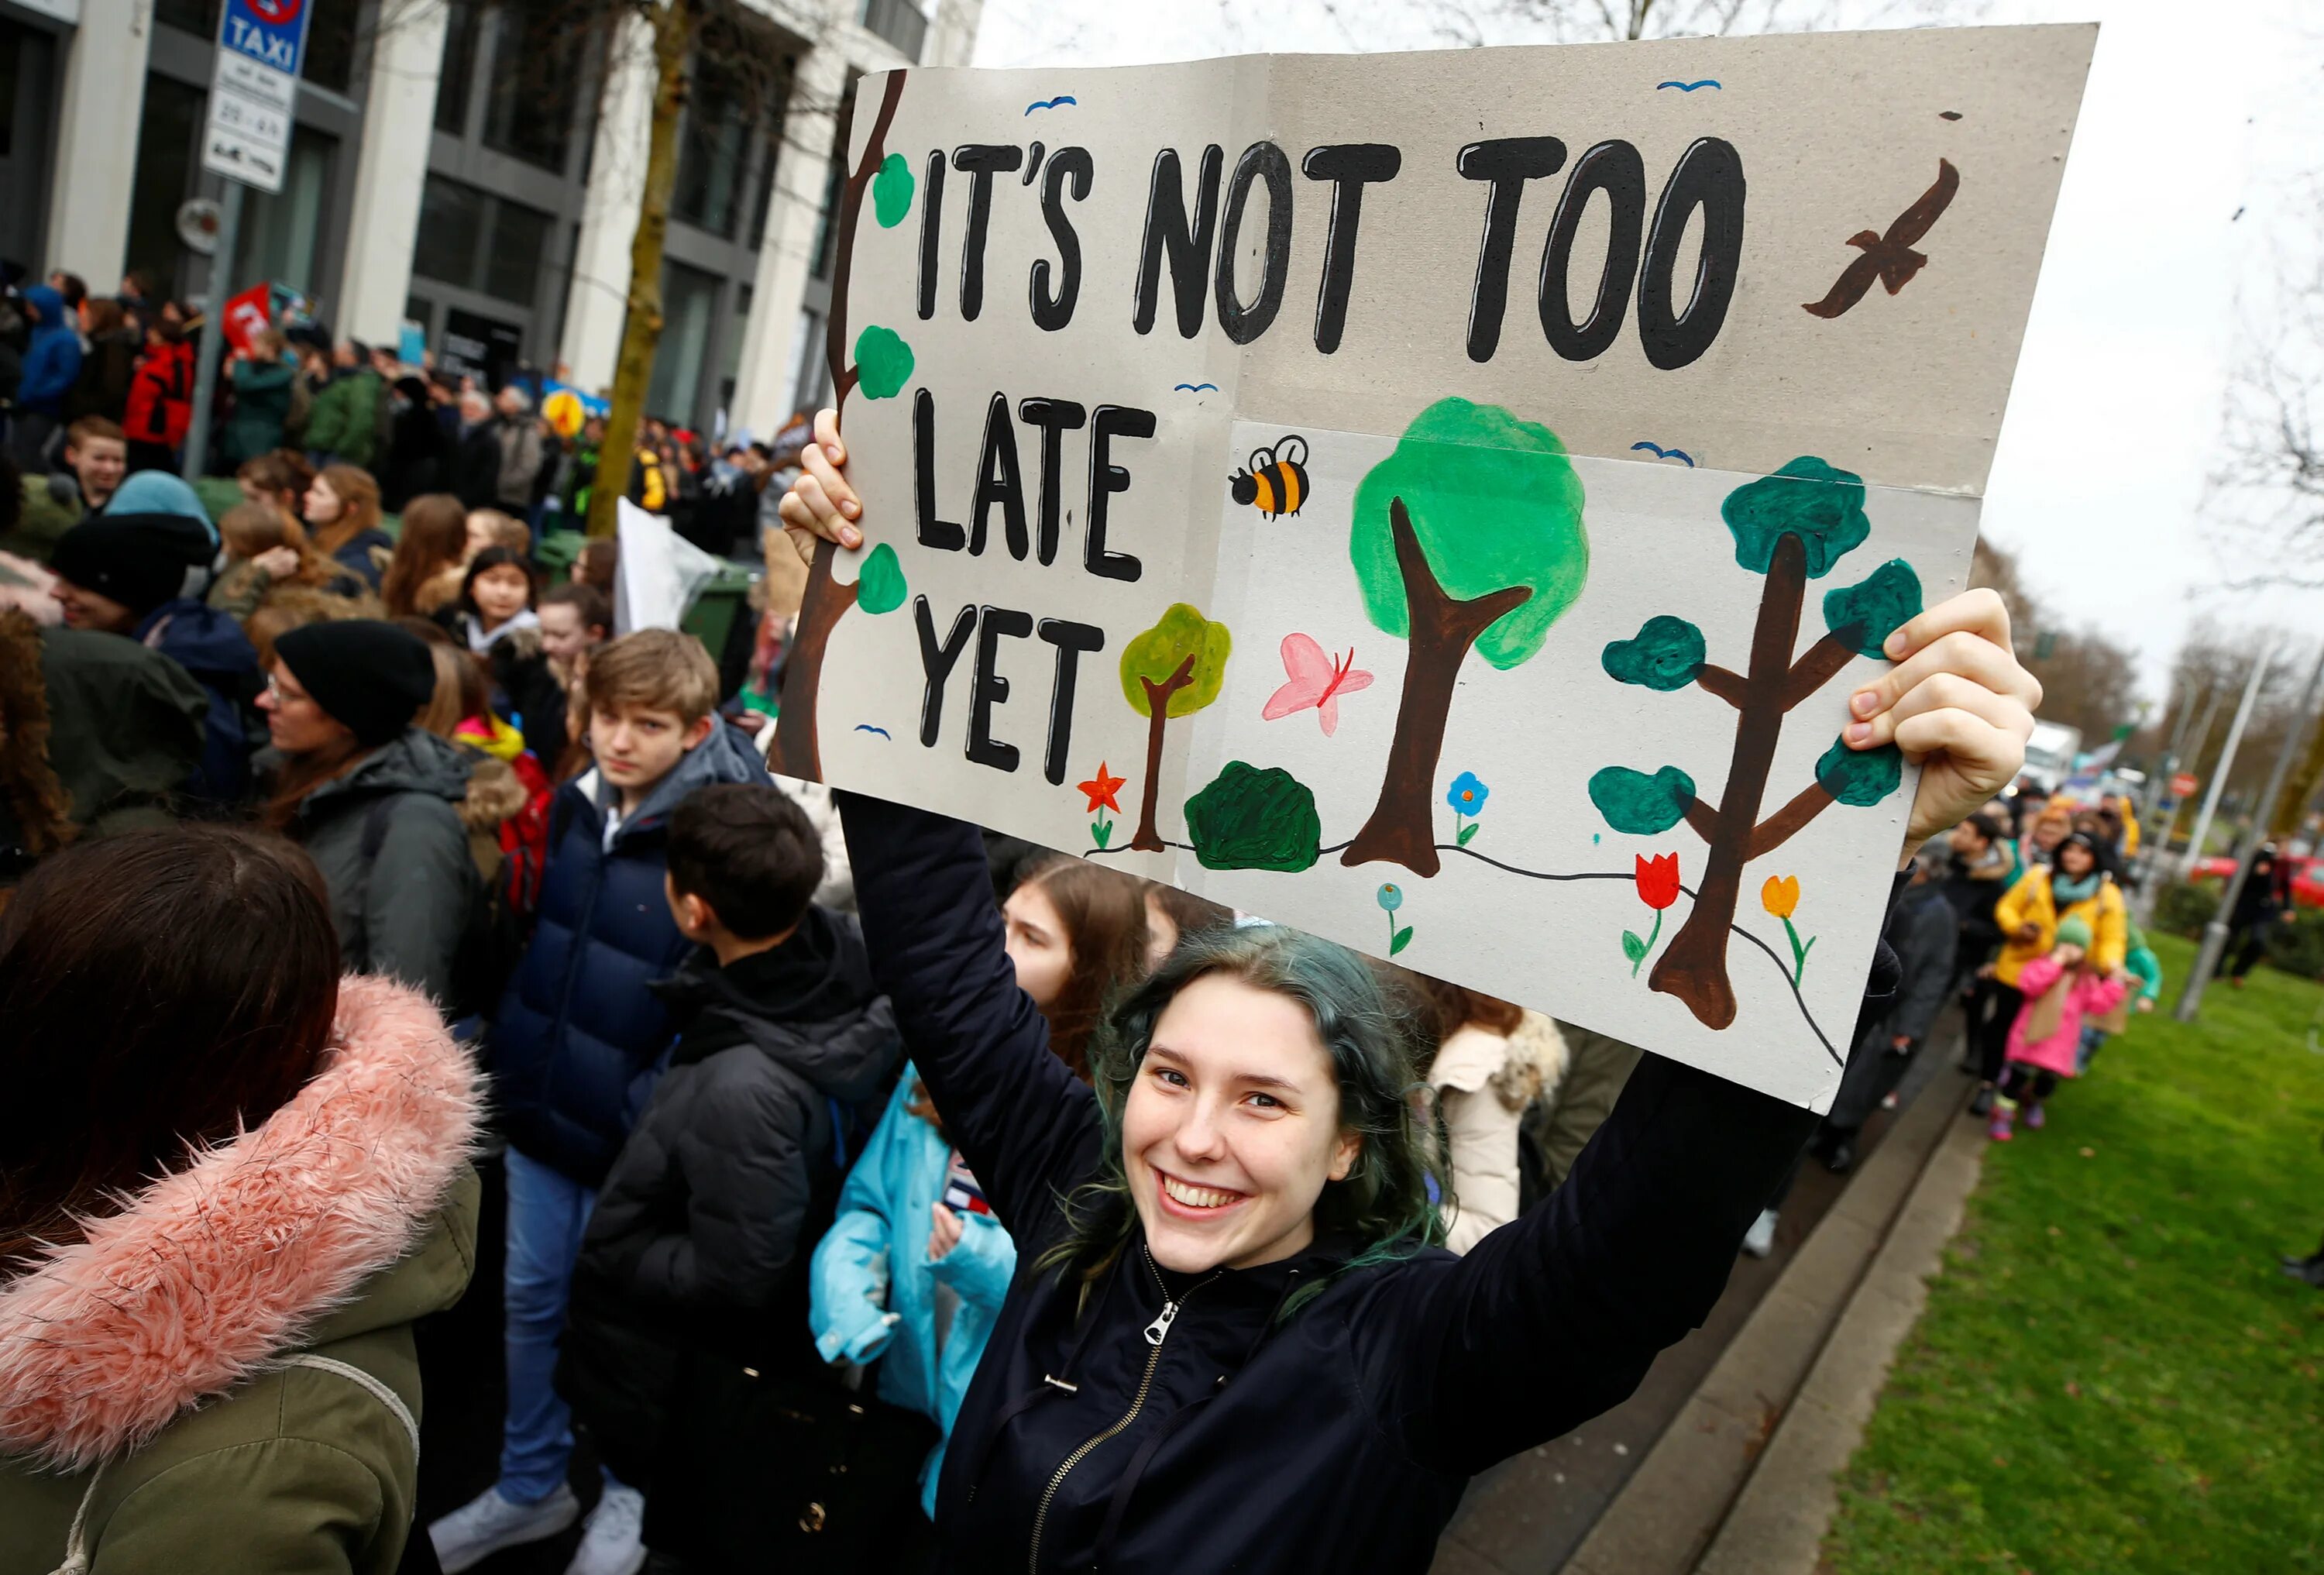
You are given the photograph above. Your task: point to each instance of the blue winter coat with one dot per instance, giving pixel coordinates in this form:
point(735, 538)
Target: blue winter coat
point(875, 1288)
point(579, 1039)
point(212, 646)
point(51, 358)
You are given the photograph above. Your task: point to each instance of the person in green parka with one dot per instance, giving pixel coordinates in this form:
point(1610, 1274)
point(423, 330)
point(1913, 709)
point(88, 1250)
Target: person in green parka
point(231, 1182)
point(342, 426)
point(261, 399)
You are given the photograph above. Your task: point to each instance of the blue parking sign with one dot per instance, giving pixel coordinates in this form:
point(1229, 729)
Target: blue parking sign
point(274, 32)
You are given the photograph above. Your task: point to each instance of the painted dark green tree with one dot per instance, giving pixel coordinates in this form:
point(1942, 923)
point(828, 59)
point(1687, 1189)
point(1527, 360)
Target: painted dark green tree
point(1468, 536)
point(1791, 527)
point(881, 366)
point(1171, 669)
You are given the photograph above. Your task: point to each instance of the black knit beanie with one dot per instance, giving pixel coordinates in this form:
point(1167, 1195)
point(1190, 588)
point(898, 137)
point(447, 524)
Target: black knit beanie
point(367, 675)
point(139, 560)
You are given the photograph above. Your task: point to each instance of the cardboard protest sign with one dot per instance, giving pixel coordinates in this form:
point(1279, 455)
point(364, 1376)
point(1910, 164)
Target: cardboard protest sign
point(1439, 501)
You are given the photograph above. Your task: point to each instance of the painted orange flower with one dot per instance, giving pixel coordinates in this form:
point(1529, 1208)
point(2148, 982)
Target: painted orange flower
point(1781, 895)
point(1101, 791)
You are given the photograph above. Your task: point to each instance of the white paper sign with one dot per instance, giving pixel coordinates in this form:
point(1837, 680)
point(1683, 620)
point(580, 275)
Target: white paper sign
point(1443, 501)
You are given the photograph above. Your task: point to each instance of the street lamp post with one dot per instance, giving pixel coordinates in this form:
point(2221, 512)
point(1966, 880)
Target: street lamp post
point(2259, 665)
point(2215, 934)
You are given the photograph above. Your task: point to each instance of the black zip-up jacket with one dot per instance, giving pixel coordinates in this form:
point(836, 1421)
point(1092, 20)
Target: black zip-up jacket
point(1340, 1438)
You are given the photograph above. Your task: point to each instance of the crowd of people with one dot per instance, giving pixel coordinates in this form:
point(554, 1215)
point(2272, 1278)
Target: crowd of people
point(118, 373)
point(868, 1193)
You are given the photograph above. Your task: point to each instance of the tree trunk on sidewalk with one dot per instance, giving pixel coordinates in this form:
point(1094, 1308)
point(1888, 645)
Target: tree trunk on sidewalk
point(674, 23)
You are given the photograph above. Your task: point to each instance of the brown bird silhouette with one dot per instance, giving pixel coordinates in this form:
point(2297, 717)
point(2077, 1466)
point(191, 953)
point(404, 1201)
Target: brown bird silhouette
point(1890, 258)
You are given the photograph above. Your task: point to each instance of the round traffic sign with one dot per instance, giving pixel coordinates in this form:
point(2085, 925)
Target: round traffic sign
point(281, 13)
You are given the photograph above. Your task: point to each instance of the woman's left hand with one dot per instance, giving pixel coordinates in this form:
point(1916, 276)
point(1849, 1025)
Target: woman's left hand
point(1957, 703)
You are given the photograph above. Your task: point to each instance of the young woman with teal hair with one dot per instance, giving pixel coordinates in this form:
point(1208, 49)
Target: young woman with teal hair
point(1232, 1341)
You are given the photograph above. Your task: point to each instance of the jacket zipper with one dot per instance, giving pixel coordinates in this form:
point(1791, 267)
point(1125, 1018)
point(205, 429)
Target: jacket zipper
point(1157, 1332)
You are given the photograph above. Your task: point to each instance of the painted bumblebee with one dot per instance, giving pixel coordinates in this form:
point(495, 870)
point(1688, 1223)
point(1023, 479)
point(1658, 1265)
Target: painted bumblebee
point(1275, 485)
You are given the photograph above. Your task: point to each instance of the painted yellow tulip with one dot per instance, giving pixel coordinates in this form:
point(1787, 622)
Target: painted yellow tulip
point(1781, 895)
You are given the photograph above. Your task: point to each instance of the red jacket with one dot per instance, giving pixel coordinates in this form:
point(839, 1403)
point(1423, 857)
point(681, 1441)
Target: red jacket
point(161, 396)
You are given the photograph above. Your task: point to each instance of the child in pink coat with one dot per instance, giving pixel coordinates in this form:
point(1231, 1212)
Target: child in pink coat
point(2060, 993)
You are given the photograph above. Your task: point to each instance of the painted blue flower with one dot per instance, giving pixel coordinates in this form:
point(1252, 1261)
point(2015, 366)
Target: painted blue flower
point(1467, 795)
point(1391, 897)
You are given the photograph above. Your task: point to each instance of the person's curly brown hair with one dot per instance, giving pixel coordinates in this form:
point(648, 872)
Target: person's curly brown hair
point(42, 810)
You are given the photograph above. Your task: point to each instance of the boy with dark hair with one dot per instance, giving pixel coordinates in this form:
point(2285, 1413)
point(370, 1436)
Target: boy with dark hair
point(697, 1252)
point(575, 1049)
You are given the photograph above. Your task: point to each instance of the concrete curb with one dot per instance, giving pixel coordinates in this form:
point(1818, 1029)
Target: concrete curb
point(1709, 1460)
point(1778, 1524)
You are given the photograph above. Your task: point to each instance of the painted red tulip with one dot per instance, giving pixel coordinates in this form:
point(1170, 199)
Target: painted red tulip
point(1658, 880)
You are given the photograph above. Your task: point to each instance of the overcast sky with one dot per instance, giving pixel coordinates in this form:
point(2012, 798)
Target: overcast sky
point(2192, 113)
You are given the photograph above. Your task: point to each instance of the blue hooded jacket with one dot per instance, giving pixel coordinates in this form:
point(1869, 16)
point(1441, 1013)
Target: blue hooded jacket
point(213, 649)
point(874, 1285)
point(51, 357)
point(579, 1039)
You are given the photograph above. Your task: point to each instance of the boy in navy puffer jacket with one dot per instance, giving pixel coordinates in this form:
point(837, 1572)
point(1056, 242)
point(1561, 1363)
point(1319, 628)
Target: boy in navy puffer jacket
point(578, 1041)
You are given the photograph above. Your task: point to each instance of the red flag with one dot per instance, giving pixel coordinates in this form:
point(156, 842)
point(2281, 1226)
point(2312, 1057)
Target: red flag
point(247, 314)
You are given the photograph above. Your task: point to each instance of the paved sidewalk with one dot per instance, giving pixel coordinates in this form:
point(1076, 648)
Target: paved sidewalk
point(1778, 1521)
point(1644, 1489)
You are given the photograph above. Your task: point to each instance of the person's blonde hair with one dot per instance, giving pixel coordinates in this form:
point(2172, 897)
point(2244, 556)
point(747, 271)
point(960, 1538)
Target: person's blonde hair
point(660, 670)
point(358, 497)
point(505, 529)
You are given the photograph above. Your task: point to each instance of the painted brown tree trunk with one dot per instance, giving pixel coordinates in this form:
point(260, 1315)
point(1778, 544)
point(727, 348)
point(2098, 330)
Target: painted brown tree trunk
point(1158, 716)
point(1693, 966)
point(673, 27)
point(798, 752)
point(1402, 827)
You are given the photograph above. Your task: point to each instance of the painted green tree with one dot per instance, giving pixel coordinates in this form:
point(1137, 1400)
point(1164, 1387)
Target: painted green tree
point(1790, 528)
point(1171, 669)
point(1468, 536)
point(882, 366)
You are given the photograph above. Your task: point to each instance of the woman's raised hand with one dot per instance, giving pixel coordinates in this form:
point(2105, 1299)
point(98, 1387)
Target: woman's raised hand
point(1957, 703)
point(819, 505)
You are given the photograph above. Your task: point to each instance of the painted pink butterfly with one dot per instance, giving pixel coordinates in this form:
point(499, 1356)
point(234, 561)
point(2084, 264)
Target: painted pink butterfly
point(1317, 679)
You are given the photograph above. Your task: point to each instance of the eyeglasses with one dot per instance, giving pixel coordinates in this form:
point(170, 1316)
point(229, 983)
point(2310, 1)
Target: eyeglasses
point(282, 696)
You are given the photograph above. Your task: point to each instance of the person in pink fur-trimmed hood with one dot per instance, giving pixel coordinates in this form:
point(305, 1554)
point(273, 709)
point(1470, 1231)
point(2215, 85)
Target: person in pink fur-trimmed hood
point(229, 1182)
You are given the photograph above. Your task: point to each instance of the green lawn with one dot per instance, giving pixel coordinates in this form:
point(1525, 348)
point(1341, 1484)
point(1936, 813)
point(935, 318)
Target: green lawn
point(2112, 1373)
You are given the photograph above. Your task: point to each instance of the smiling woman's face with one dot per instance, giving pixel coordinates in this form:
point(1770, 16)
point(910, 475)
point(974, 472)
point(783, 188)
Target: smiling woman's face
point(1232, 1128)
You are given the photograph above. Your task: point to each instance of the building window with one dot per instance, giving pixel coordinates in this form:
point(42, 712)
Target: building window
point(449, 244)
point(480, 241)
point(462, 24)
point(10, 62)
point(330, 59)
point(520, 245)
point(689, 301)
point(529, 99)
point(200, 17)
point(901, 22)
point(280, 232)
point(168, 135)
point(827, 229)
point(710, 148)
